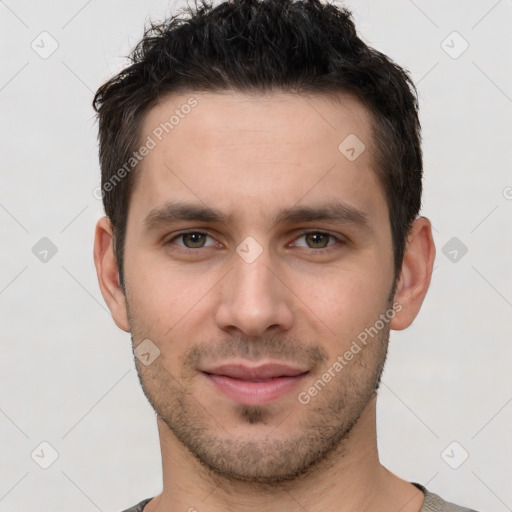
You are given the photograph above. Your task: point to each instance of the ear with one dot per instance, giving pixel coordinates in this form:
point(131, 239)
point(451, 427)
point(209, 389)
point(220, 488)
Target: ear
point(416, 273)
point(108, 273)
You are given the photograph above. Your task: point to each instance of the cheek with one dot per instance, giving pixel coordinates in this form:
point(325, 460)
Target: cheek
point(162, 296)
point(346, 304)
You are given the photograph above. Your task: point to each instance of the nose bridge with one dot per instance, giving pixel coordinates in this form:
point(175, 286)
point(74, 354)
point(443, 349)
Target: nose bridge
point(253, 298)
point(254, 278)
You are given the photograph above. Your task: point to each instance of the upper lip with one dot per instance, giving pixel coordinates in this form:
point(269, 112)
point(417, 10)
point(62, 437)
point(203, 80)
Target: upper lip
point(265, 371)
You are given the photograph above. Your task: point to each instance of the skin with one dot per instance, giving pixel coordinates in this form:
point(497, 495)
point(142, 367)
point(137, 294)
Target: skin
point(303, 300)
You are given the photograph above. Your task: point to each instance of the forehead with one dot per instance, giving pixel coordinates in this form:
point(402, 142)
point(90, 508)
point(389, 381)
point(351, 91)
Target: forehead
point(231, 149)
point(256, 118)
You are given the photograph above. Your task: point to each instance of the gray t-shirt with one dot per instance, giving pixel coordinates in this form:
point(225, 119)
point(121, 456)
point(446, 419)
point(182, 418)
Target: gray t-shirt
point(432, 503)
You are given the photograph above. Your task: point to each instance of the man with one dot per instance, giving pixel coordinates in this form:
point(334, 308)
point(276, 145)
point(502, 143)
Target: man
point(261, 176)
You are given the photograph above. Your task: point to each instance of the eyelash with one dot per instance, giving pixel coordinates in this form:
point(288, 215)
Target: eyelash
point(304, 233)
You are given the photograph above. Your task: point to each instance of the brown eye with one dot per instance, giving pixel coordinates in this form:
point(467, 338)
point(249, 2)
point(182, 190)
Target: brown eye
point(192, 240)
point(316, 240)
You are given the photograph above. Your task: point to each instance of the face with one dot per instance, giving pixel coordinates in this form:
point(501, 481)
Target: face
point(256, 254)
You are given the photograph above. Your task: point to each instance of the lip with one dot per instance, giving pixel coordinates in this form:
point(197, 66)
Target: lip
point(255, 385)
point(255, 373)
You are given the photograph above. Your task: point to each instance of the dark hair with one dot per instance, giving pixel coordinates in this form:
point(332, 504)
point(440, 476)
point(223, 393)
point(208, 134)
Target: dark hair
point(254, 46)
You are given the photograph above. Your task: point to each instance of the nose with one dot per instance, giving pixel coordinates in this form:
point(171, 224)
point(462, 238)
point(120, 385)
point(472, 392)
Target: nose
point(254, 298)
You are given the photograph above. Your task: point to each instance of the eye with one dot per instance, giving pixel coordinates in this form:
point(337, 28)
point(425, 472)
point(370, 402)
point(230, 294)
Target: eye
point(198, 240)
point(192, 240)
point(317, 240)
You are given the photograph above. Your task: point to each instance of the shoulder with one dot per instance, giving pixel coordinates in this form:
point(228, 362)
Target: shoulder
point(139, 507)
point(434, 503)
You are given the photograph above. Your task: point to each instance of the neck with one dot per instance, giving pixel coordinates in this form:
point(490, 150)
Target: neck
point(350, 479)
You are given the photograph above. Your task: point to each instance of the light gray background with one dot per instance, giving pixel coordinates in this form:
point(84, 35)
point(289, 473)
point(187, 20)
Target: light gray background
point(67, 374)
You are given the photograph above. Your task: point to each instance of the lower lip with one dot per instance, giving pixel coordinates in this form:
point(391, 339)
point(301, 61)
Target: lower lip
point(255, 393)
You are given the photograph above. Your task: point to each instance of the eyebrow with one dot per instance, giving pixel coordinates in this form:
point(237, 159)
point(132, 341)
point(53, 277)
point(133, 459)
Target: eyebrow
point(336, 212)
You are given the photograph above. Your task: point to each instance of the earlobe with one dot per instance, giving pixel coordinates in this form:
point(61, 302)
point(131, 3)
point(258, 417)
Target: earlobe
point(108, 273)
point(416, 273)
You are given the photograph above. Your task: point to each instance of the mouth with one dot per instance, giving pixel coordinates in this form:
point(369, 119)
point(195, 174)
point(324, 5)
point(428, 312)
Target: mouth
point(255, 385)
